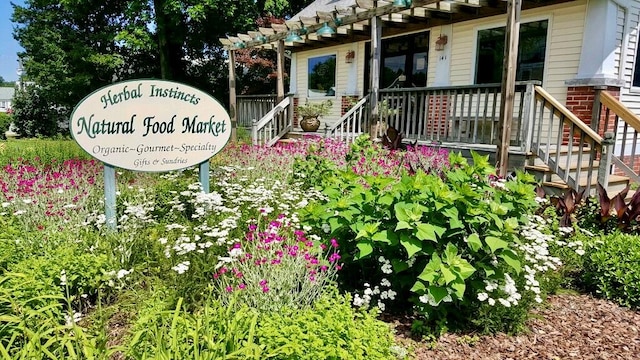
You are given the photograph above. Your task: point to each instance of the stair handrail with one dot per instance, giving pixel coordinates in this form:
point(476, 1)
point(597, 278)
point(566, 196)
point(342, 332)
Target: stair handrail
point(624, 114)
point(337, 130)
point(568, 127)
point(277, 127)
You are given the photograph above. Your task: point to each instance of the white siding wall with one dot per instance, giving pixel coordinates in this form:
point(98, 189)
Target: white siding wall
point(564, 43)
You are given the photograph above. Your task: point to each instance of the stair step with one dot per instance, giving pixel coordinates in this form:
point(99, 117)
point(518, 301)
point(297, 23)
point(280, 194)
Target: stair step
point(616, 184)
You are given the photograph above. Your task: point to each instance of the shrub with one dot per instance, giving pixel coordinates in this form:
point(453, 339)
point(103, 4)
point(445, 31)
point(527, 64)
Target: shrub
point(440, 240)
point(611, 268)
point(34, 115)
point(5, 122)
point(331, 329)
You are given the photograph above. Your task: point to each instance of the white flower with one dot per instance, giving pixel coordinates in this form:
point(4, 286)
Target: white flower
point(381, 305)
point(182, 267)
point(491, 301)
point(122, 273)
point(385, 282)
point(387, 268)
point(63, 277)
point(483, 296)
point(6, 204)
point(504, 302)
point(27, 201)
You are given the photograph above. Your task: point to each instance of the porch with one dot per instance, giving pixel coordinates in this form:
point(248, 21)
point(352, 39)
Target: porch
point(546, 138)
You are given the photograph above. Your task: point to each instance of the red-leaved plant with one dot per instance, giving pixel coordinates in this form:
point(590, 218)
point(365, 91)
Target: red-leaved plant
point(627, 214)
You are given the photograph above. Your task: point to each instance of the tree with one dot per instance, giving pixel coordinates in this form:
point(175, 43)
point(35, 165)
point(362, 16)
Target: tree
point(4, 83)
point(73, 47)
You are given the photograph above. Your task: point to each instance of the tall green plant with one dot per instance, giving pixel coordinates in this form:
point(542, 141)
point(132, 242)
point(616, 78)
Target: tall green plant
point(432, 238)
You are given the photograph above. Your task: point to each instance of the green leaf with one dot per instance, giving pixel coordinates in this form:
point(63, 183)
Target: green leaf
point(384, 236)
point(450, 253)
point(459, 287)
point(474, 242)
point(403, 225)
point(430, 271)
point(495, 243)
point(498, 209)
point(411, 244)
point(365, 247)
point(367, 230)
point(464, 269)
point(447, 274)
point(453, 216)
point(511, 258)
point(399, 265)
point(418, 287)
point(511, 224)
point(429, 231)
point(438, 293)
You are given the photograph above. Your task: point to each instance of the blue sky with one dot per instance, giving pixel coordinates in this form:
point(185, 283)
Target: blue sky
point(8, 46)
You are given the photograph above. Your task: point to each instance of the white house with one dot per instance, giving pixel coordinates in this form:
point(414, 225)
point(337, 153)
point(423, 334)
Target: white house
point(6, 98)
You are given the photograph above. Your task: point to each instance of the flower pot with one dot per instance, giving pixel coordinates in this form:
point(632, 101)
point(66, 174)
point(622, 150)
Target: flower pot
point(310, 124)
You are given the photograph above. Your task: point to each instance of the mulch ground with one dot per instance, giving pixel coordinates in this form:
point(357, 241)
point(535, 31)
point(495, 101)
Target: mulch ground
point(570, 327)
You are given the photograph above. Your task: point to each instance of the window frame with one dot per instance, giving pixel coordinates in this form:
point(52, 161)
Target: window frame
point(493, 25)
point(335, 77)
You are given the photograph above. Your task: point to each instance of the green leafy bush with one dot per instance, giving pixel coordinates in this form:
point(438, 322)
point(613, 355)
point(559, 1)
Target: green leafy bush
point(331, 329)
point(611, 268)
point(436, 239)
point(5, 122)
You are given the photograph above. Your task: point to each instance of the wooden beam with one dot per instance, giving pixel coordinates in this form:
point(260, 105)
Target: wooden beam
point(507, 93)
point(232, 96)
point(280, 71)
point(376, 56)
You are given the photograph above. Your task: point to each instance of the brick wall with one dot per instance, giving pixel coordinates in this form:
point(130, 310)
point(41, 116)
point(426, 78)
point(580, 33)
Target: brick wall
point(580, 102)
point(296, 122)
point(437, 117)
point(346, 103)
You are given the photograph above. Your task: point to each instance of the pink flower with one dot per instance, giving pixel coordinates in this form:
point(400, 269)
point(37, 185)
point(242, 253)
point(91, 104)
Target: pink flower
point(229, 289)
point(334, 243)
point(263, 282)
point(265, 289)
point(242, 286)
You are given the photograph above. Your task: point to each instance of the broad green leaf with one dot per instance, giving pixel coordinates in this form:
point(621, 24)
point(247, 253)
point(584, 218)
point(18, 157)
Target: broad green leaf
point(335, 223)
point(438, 293)
point(474, 242)
point(418, 287)
point(367, 230)
point(511, 224)
point(403, 225)
point(498, 209)
point(453, 217)
point(430, 271)
point(399, 265)
point(464, 269)
point(450, 253)
point(384, 236)
point(365, 247)
point(386, 199)
point(459, 287)
point(447, 274)
point(511, 258)
point(429, 231)
point(495, 243)
point(497, 220)
point(411, 244)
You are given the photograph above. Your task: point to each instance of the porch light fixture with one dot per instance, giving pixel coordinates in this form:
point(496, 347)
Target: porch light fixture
point(261, 38)
point(240, 45)
point(292, 37)
point(402, 3)
point(325, 30)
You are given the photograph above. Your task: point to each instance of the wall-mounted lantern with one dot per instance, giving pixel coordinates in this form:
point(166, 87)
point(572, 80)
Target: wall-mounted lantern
point(441, 42)
point(350, 57)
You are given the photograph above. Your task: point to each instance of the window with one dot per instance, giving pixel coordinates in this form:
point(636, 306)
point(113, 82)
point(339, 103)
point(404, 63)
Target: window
point(404, 61)
point(531, 53)
point(636, 69)
point(322, 76)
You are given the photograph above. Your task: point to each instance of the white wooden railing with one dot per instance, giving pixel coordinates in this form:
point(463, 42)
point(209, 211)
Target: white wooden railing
point(274, 125)
point(352, 124)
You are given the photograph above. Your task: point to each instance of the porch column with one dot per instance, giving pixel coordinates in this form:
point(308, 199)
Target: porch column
point(508, 83)
point(376, 44)
point(232, 95)
point(280, 70)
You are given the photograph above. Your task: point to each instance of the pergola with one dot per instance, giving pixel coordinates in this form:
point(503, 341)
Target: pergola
point(370, 20)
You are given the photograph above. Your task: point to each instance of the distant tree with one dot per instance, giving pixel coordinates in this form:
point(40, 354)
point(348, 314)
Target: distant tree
point(4, 83)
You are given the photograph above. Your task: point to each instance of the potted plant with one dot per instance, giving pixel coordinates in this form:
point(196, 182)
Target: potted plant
point(310, 112)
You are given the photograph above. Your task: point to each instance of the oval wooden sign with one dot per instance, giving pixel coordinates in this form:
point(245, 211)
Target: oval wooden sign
point(150, 125)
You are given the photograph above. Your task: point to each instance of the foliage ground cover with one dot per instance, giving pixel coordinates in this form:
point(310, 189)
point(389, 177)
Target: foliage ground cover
point(292, 253)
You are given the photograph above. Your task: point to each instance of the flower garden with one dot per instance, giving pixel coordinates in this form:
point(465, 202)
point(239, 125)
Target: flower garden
point(296, 252)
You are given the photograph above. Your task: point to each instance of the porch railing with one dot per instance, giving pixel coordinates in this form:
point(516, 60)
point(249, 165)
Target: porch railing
point(612, 116)
point(568, 146)
point(353, 123)
point(465, 114)
point(274, 125)
point(251, 107)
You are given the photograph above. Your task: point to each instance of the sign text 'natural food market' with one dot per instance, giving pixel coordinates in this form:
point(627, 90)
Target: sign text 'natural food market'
point(150, 125)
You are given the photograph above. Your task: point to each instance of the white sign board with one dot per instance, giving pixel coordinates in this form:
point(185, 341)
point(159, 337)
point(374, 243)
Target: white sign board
point(150, 125)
